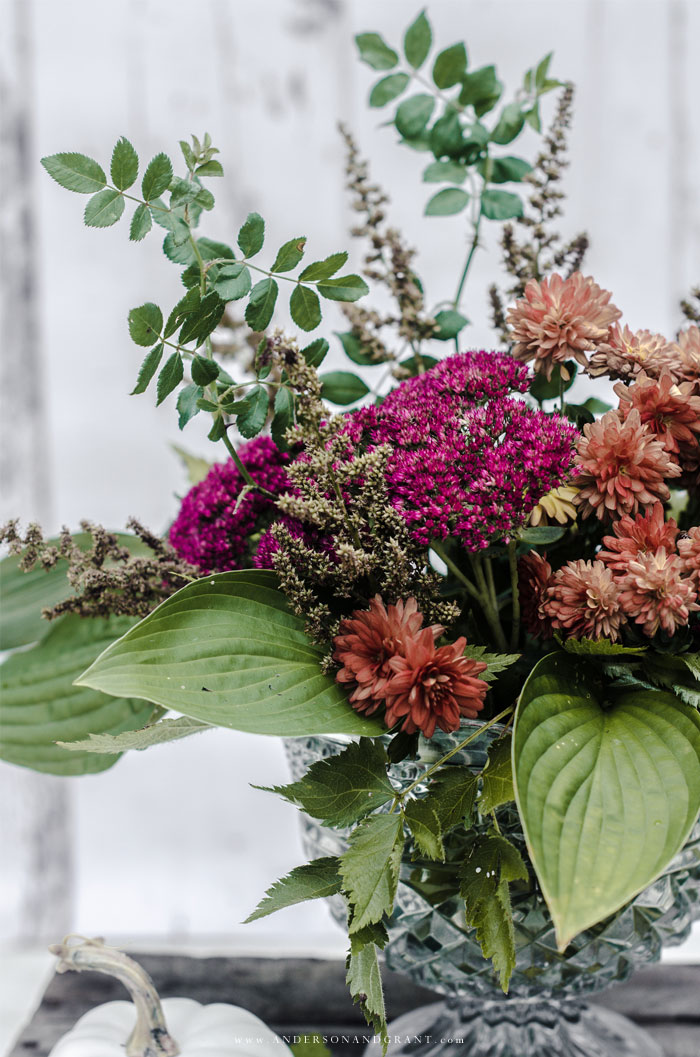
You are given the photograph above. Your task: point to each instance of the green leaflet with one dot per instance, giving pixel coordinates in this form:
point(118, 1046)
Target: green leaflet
point(315, 880)
point(497, 788)
point(226, 650)
point(143, 738)
point(425, 828)
point(608, 788)
point(370, 868)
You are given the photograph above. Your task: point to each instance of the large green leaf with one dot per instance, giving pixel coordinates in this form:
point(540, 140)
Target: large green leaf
point(608, 788)
point(226, 650)
point(39, 705)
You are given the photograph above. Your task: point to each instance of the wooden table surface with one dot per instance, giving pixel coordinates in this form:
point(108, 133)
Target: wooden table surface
point(298, 995)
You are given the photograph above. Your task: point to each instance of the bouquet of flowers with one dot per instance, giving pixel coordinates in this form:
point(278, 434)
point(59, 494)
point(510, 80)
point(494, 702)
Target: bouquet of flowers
point(460, 546)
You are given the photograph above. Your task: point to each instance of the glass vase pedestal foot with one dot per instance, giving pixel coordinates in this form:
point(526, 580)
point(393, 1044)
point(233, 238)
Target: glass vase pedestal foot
point(515, 1027)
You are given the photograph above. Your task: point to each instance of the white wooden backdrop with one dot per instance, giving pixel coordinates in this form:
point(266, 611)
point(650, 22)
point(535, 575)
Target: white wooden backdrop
point(174, 843)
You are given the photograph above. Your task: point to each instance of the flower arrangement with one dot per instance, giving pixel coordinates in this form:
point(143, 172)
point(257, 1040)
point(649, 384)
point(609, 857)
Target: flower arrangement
point(460, 542)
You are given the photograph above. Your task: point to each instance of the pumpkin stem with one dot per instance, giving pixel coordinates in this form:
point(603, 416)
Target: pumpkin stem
point(150, 1037)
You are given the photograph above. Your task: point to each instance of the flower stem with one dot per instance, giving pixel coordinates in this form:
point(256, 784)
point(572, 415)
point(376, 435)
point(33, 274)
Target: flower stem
point(456, 571)
point(489, 603)
point(515, 591)
point(243, 471)
point(150, 1037)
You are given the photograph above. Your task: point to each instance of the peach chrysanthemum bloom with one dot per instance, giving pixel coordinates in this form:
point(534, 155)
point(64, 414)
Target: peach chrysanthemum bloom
point(534, 576)
point(625, 353)
point(635, 536)
point(583, 600)
point(621, 467)
point(560, 319)
point(557, 505)
point(669, 410)
point(367, 641)
point(433, 686)
point(656, 593)
point(689, 550)
point(688, 348)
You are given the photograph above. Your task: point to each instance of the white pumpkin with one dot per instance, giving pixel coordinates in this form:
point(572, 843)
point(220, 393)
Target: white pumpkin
point(149, 1027)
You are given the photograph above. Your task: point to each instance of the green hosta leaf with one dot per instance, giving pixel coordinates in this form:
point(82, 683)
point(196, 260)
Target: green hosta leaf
point(497, 788)
point(252, 412)
point(417, 41)
point(104, 209)
point(170, 376)
point(289, 255)
point(413, 115)
point(187, 403)
point(375, 52)
point(145, 324)
point(39, 705)
point(497, 662)
point(364, 980)
point(316, 352)
point(608, 789)
point(148, 369)
point(445, 171)
point(452, 795)
point(226, 650)
point(261, 305)
point(424, 825)
point(141, 223)
point(370, 868)
point(501, 205)
point(342, 789)
point(203, 371)
point(447, 202)
point(143, 738)
point(125, 164)
point(450, 66)
point(252, 235)
point(344, 288)
point(157, 177)
point(342, 388)
point(388, 89)
point(75, 172)
point(509, 125)
point(305, 307)
point(325, 268)
point(317, 879)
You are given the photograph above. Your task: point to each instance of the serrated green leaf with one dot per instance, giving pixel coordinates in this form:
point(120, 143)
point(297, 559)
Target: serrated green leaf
point(375, 52)
point(210, 168)
point(500, 205)
point(344, 288)
point(157, 177)
point(496, 936)
point(450, 66)
point(141, 223)
point(388, 89)
point(230, 281)
point(316, 352)
point(364, 980)
point(283, 416)
point(171, 374)
point(227, 650)
point(187, 403)
point(342, 388)
point(497, 788)
point(497, 662)
point(509, 124)
point(353, 350)
point(143, 738)
point(533, 117)
point(481, 89)
point(424, 825)
point(147, 369)
point(600, 648)
point(203, 371)
point(343, 789)
point(75, 172)
point(370, 868)
point(447, 136)
point(417, 41)
point(200, 323)
point(452, 795)
point(289, 255)
point(184, 307)
point(543, 69)
point(261, 305)
point(325, 268)
point(504, 170)
point(447, 202)
point(125, 164)
point(413, 115)
point(608, 788)
point(445, 172)
point(317, 879)
point(305, 307)
point(145, 324)
point(104, 209)
point(450, 323)
point(253, 411)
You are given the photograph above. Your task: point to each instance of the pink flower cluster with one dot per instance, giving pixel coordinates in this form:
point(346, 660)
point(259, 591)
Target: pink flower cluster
point(468, 460)
point(214, 527)
point(645, 574)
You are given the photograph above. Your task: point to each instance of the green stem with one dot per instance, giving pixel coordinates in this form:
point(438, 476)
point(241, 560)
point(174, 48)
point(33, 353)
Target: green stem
point(562, 404)
point(456, 571)
point(515, 592)
point(489, 605)
point(243, 472)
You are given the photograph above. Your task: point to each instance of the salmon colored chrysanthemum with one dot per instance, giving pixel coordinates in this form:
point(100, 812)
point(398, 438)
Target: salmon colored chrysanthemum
point(433, 686)
point(534, 576)
point(621, 467)
point(368, 640)
point(635, 536)
point(624, 353)
point(670, 411)
point(656, 593)
point(560, 319)
point(689, 550)
point(688, 349)
point(584, 600)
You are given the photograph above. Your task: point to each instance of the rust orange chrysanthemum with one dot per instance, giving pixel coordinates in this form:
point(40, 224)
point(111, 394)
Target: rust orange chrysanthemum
point(560, 319)
point(656, 593)
point(621, 467)
point(584, 600)
point(625, 353)
point(433, 686)
point(670, 410)
point(635, 536)
point(689, 550)
point(534, 576)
